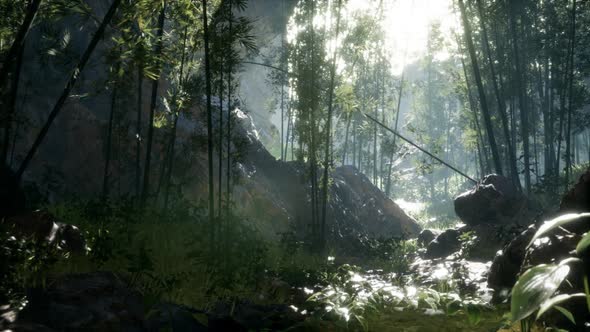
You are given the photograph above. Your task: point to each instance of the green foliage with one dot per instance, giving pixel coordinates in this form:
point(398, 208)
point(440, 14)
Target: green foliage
point(367, 301)
point(535, 289)
point(25, 264)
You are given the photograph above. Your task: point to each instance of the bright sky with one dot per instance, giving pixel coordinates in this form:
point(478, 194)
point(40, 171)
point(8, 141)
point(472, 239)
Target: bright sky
point(407, 22)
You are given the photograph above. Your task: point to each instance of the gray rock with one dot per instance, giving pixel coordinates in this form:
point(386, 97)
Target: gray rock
point(507, 265)
point(425, 237)
point(173, 317)
point(97, 301)
point(445, 244)
point(493, 201)
point(42, 226)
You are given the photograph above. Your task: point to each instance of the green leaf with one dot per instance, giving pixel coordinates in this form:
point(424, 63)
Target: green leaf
point(534, 287)
point(557, 222)
point(583, 244)
point(552, 302)
point(566, 313)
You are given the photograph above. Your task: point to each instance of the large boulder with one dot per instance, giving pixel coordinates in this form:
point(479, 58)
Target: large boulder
point(358, 204)
point(495, 201)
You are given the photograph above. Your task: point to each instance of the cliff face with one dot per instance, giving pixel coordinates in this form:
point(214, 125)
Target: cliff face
point(271, 194)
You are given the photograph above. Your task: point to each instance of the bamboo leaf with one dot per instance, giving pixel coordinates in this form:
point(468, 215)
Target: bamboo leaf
point(554, 301)
point(583, 244)
point(566, 313)
point(535, 287)
point(557, 222)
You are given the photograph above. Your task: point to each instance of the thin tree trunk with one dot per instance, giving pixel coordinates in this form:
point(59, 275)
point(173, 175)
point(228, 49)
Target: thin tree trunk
point(397, 112)
point(68, 88)
point(11, 105)
point(481, 91)
point(19, 40)
point(228, 141)
point(312, 125)
point(170, 162)
point(520, 85)
point(484, 158)
point(328, 158)
point(138, 131)
point(354, 142)
point(346, 134)
point(154, 103)
point(500, 103)
point(562, 112)
point(568, 162)
point(107, 163)
point(220, 155)
point(209, 126)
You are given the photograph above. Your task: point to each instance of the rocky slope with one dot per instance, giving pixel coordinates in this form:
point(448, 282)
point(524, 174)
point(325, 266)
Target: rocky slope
point(272, 194)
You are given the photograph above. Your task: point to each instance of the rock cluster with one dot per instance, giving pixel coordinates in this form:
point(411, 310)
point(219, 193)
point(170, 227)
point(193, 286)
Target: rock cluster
point(492, 212)
point(518, 256)
point(101, 301)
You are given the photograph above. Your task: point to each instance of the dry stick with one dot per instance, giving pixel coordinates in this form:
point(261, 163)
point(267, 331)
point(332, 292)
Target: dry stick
point(419, 148)
point(68, 88)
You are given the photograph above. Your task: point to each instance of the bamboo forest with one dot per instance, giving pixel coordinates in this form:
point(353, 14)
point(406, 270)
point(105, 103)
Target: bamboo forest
point(294, 165)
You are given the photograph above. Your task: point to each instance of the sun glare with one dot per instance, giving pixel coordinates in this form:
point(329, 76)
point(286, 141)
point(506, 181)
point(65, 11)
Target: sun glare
point(407, 22)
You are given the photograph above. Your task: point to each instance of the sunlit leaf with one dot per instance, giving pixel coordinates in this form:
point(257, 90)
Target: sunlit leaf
point(554, 301)
point(558, 222)
point(566, 313)
point(534, 287)
point(583, 244)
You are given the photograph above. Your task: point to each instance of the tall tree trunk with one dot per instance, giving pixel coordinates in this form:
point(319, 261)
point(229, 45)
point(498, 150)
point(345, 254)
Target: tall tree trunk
point(500, 103)
point(328, 157)
point(153, 104)
point(220, 154)
point(346, 134)
point(109, 139)
point(480, 89)
point(312, 125)
point(522, 103)
point(397, 113)
point(228, 194)
point(11, 106)
point(68, 88)
point(562, 112)
point(19, 40)
point(354, 130)
point(170, 161)
point(568, 161)
point(483, 155)
point(138, 138)
point(209, 126)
